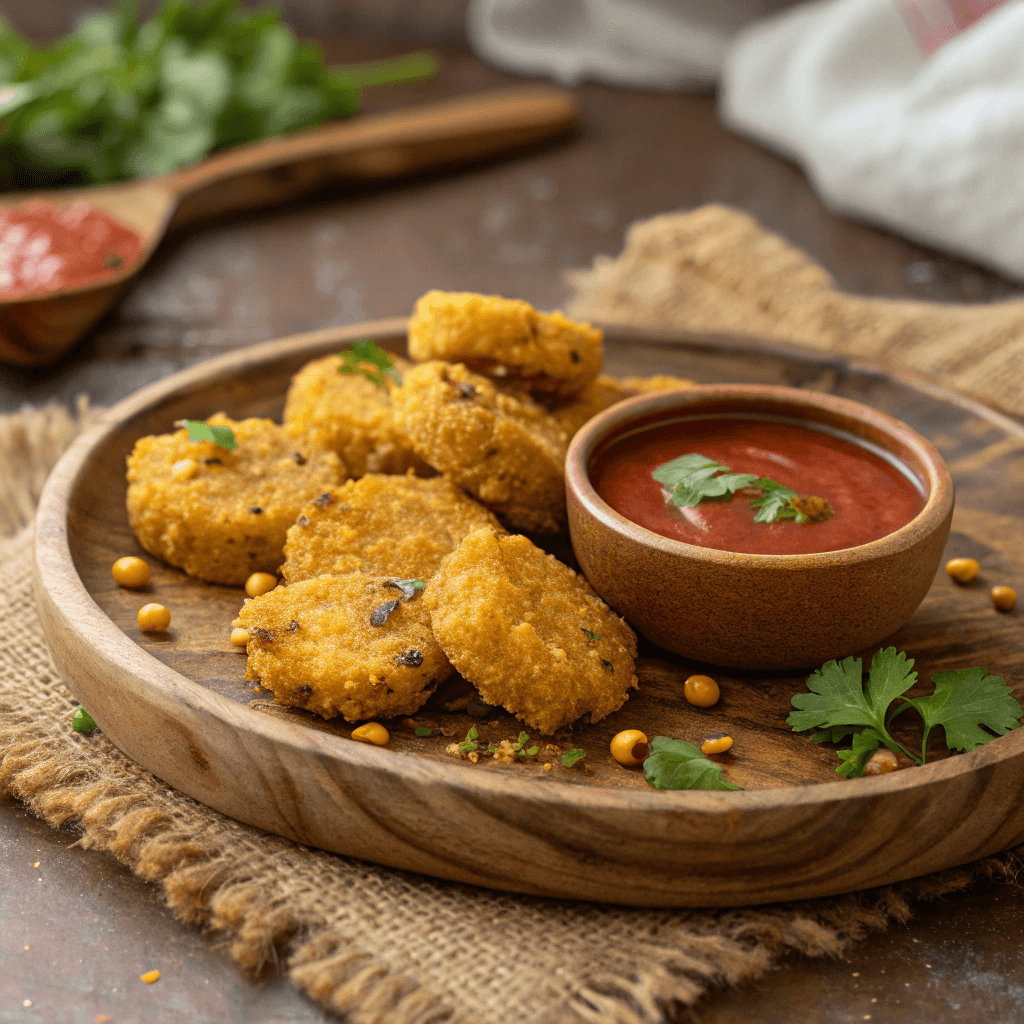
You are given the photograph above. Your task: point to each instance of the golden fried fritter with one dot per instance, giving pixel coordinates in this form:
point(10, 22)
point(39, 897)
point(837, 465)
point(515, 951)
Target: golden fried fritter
point(507, 339)
point(529, 633)
point(385, 525)
point(351, 415)
point(605, 392)
point(221, 515)
point(343, 645)
point(505, 450)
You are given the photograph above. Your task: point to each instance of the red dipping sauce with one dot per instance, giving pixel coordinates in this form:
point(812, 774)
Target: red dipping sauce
point(870, 496)
point(44, 248)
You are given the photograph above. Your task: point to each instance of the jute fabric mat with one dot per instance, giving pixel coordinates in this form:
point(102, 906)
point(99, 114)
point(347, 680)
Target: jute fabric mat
point(378, 945)
point(715, 269)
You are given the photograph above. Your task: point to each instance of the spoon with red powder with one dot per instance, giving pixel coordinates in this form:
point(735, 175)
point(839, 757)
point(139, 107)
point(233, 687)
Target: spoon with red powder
point(65, 255)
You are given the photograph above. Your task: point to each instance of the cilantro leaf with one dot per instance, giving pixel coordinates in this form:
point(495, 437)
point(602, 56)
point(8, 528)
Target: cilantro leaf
point(370, 360)
point(834, 733)
point(676, 764)
point(865, 743)
point(965, 700)
point(590, 634)
point(691, 478)
point(422, 730)
point(469, 744)
point(837, 696)
point(201, 431)
point(774, 503)
point(571, 757)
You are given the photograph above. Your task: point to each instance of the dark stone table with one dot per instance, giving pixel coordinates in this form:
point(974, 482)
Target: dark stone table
point(76, 929)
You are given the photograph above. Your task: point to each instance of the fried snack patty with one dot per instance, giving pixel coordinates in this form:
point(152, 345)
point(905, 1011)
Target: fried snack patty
point(316, 646)
point(521, 627)
point(388, 525)
point(507, 339)
point(505, 450)
point(605, 392)
point(221, 515)
point(350, 415)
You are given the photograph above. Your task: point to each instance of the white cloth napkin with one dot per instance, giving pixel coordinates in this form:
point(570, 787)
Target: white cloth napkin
point(932, 147)
point(655, 44)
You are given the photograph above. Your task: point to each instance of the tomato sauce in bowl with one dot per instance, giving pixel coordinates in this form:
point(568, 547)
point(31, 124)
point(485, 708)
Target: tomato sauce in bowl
point(870, 492)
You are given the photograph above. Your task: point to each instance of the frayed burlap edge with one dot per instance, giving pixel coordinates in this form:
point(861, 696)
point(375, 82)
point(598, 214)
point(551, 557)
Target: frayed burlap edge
point(197, 857)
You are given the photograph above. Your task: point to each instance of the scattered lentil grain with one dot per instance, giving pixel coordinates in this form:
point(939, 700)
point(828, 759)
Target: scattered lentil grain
point(130, 572)
point(154, 617)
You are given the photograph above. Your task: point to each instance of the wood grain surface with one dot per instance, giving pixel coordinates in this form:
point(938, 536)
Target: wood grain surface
point(179, 705)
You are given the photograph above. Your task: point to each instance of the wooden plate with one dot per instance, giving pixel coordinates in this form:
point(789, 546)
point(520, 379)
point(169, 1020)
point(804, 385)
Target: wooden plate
point(178, 703)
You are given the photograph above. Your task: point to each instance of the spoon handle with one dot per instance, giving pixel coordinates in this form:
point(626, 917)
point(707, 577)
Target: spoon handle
point(370, 147)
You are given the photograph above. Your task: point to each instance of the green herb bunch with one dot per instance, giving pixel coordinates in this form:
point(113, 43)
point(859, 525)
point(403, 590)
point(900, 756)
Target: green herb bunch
point(116, 100)
point(966, 703)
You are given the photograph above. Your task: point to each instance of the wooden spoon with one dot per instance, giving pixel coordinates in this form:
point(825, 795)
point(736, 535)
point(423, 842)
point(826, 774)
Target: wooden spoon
point(37, 330)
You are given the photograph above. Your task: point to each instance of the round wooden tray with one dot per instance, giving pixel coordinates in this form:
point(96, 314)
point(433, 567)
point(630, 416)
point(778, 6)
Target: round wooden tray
point(178, 703)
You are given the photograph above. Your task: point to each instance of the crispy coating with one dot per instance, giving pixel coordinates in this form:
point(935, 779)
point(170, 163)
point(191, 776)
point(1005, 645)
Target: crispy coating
point(605, 392)
point(221, 515)
point(314, 645)
point(350, 415)
point(505, 450)
point(385, 525)
point(511, 619)
point(507, 339)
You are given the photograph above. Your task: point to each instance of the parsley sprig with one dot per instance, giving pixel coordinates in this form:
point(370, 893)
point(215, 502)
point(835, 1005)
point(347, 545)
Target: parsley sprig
point(839, 705)
point(370, 360)
point(676, 764)
point(691, 479)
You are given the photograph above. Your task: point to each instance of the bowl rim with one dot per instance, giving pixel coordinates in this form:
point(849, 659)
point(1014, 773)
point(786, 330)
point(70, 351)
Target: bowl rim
point(617, 419)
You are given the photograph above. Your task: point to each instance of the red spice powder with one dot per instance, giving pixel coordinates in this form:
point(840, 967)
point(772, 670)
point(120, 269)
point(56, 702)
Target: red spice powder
point(44, 248)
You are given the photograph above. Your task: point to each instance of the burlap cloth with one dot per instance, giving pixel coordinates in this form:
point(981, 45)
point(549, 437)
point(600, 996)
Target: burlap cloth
point(388, 947)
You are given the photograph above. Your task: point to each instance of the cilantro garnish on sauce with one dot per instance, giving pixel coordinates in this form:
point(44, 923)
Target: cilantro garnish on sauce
point(676, 764)
point(200, 431)
point(370, 360)
point(690, 479)
point(965, 703)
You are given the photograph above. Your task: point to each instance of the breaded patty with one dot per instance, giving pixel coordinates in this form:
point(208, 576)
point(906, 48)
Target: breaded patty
point(344, 645)
point(348, 414)
point(505, 450)
point(529, 633)
point(507, 339)
point(383, 525)
point(221, 515)
point(605, 392)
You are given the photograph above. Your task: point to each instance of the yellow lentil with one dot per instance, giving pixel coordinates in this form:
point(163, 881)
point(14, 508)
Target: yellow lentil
point(239, 637)
point(701, 691)
point(719, 743)
point(130, 572)
point(372, 732)
point(149, 977)
point(630, 748)
point(154, 617)
point(963, 570)
point(260, 583)
point(1004, 598)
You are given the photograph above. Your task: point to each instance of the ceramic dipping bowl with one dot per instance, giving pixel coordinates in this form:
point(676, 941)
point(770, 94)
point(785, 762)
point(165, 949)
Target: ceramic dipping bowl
point(757, 611)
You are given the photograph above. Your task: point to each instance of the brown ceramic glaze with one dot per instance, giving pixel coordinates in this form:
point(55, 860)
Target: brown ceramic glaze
point(748, 610)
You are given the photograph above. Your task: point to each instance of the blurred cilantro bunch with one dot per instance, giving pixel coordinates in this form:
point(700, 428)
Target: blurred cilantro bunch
point(116, 100)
